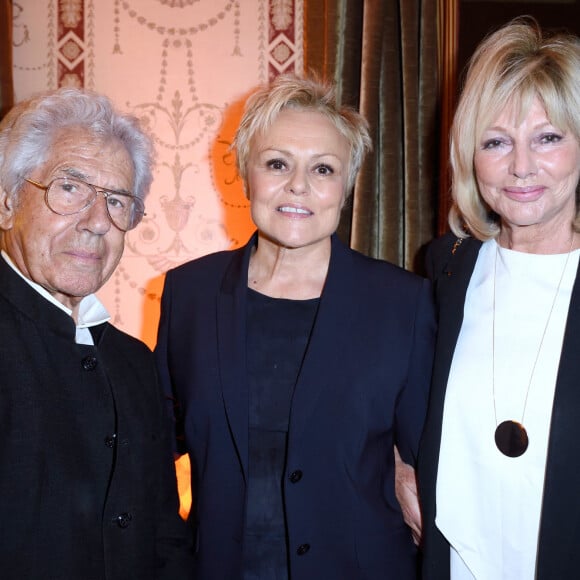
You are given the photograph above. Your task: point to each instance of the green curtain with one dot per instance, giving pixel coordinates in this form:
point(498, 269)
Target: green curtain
point(382, 54)
point(6, 86)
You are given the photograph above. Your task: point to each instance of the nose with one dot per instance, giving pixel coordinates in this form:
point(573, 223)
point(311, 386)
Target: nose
point(96, 217)
point(298, 181)
point(523, 163)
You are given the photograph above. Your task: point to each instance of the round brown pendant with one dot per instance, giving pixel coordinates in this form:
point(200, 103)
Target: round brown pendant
point(511, 438)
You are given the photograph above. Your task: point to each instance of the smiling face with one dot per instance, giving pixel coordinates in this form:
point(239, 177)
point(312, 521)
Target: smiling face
point(70, 256)
point(528, 172)
point(296, 178)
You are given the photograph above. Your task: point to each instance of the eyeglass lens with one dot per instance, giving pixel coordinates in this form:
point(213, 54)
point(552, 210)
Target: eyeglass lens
point(67, 196)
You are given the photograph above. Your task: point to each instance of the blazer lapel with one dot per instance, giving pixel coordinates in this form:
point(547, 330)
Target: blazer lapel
point(451, 289)
point(560, 508)
point(451, 284)
point(231, 331)
point(333, 320)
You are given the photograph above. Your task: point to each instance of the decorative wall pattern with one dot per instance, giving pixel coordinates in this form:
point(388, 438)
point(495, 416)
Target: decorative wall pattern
point(184, 67)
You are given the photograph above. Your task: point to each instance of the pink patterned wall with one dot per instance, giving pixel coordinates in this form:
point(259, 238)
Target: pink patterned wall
point(184, 67)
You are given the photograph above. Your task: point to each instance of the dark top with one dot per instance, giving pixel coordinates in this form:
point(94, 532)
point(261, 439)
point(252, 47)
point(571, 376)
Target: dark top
point(87, 481)
point(278, 333)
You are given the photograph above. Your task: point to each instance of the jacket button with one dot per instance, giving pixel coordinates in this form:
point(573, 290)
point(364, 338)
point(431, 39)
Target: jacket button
point(123, 520)
point(302, 549)
point(296, 476)
point(89, 363)
point(110, 440)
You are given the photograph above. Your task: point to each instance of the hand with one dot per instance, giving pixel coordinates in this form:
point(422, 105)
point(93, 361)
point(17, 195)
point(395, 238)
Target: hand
point(406, 492)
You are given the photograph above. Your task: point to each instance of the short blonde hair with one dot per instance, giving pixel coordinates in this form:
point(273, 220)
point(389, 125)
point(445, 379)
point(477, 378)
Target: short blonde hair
point(302, 94)
point(513, 66)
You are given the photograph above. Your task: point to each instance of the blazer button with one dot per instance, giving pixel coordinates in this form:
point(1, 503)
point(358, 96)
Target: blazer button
point(89, 363)
point(296, 476)
point(123, 520)
point(302, 549)
point(110, 440)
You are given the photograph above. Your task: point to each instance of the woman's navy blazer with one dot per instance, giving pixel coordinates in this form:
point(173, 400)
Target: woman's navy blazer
point(362, 388)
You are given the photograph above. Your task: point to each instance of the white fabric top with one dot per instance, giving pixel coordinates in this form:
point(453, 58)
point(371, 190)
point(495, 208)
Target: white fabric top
point(91, 310)
point(488, 504)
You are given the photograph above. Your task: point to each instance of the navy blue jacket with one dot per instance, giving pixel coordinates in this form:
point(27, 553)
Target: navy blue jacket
point(363, 388)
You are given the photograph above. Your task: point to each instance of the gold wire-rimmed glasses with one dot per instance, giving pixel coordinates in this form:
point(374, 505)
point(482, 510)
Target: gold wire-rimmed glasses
point(70, 195)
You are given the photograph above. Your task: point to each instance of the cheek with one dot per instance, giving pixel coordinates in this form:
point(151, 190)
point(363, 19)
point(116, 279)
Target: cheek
point(486, 169)
point(334, 196)
point(253, 186)
point(34, 235)
point(113, 257)
point(262, 189)
point(115, 245)
point(570, 171)
point(489, 176)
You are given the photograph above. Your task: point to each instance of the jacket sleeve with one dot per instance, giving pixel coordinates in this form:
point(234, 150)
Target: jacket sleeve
point(175, 540)
point(171, 401)
point(411, 407)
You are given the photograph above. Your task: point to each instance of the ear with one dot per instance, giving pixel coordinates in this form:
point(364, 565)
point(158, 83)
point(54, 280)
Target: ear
point(7, 209)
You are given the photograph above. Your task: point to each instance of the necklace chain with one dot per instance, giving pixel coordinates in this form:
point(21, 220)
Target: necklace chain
point(541, 339)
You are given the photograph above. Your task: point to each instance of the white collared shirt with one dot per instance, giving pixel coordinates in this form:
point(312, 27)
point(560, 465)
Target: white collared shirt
point(91, 310)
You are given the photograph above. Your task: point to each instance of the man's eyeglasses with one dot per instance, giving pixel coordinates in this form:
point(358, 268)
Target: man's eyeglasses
point(69, 195)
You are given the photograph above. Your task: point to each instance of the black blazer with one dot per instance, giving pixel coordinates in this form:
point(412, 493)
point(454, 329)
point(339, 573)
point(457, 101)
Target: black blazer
point(87, 482)
point(450, 266)
point(362, 388)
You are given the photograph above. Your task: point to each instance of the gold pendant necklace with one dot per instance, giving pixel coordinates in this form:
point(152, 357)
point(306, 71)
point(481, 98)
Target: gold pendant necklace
point(511, 437)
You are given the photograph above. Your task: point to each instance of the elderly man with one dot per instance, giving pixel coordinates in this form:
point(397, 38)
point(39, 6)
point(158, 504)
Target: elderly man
point(87, 484)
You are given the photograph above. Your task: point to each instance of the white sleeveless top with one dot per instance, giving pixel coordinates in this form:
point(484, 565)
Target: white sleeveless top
point(488, 504)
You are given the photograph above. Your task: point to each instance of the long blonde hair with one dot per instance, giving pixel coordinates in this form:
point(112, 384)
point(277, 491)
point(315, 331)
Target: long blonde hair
point(512, 67)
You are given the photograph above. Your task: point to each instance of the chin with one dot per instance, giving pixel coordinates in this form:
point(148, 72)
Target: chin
point(81, 287)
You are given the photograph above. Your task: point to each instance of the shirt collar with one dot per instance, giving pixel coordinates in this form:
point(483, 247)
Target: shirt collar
point(91, 310)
